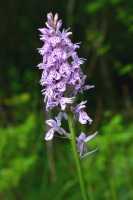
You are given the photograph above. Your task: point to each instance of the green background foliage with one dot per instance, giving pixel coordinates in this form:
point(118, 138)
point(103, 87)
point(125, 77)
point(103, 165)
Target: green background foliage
point(32, 169)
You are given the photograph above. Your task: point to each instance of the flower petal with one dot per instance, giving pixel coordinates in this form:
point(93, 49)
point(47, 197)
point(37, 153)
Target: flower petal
point(90, 137)
point(60, 116)
point(81, 137)
point(51, 122)
point(83, 118)
point(66, 100)
point(89, 153)
point(61, 131)
point(50, 134)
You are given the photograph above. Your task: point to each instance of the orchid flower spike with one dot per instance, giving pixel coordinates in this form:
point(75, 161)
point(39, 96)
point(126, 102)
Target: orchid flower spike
point(62, 79)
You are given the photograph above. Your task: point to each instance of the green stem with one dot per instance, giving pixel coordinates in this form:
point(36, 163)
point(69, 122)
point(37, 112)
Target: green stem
point(76, 157)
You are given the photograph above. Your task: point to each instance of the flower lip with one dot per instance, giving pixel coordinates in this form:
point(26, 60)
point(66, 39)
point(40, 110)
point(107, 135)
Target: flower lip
point(81, 114)
point(55, 125)
point(49, 135)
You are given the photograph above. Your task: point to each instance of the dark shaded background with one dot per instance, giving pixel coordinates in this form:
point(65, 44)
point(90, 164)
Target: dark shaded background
point(31, 169)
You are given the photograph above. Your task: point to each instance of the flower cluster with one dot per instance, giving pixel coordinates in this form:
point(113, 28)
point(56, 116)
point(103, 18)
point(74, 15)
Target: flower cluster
point(62, 78)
